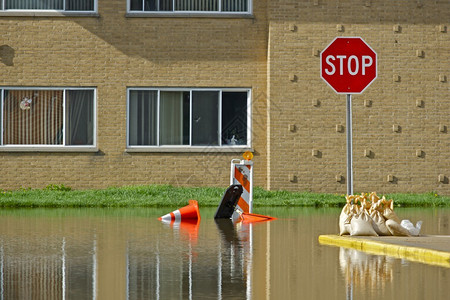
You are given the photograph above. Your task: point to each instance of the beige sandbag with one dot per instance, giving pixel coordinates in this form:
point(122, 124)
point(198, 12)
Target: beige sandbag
point(396, 229)
point(388, 211)
point(361, 224)
point(376, 206)
point(379, 223)
point(373, 197)
point(365, 204)
point(345, 218)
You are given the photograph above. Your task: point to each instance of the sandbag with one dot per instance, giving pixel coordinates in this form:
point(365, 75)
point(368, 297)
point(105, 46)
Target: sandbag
point(396, 229)
point(344, 219)
point(388, 211)
point(379, 223)
point(376, 206)
point(371, 216)
point(361, 224)
point(413, 230)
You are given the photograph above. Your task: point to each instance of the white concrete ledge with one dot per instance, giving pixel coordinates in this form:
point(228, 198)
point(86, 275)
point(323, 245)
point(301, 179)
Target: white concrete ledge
point(31, 13)
point(189, 15)
point(48, 149)
point(193, 149)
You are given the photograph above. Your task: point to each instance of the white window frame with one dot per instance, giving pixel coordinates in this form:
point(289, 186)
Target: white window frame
point(192, 13)
point(190, 147)
point(48, 12)
point(51, 148)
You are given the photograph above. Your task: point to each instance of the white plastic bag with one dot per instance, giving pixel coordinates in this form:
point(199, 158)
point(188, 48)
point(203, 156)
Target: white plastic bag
point(413, 230)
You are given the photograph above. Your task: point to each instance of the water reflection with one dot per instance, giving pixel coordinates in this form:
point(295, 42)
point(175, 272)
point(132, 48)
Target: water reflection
point(234, 258)
point(129, 254)
point(365, 272)
point(176, 267)
point(53, 268)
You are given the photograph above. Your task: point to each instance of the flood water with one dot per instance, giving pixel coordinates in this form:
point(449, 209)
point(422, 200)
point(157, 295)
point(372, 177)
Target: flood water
point(129, 254)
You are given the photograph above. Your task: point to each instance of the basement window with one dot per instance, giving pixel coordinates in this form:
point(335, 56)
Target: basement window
point(49, 5)
point(189, 7)
point(188, 119)
point(47, 119)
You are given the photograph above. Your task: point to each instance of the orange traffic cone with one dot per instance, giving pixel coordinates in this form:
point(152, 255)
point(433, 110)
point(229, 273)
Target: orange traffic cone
point(189, 211)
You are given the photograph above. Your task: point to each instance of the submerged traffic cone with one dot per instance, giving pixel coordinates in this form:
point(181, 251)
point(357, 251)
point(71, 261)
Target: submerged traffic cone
point(189, 211)
point(253, 218)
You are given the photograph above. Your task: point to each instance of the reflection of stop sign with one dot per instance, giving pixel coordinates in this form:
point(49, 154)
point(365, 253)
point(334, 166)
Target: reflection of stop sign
point(348, 65)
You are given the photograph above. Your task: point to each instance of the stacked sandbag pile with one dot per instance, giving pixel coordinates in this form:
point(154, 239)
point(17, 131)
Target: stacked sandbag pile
point(370, 215)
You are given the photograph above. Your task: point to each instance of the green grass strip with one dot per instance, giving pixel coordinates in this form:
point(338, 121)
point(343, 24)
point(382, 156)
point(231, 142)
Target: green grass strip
point(170, 196)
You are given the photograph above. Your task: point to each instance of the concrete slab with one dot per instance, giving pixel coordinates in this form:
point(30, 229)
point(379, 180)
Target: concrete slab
point(429, 249)
point(433, 242)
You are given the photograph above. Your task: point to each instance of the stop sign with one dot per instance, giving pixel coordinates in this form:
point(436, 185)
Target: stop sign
point(348, 65)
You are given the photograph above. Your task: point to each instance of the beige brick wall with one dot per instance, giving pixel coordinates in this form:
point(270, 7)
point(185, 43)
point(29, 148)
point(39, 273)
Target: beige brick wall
point(112, 52)
point(298, 30)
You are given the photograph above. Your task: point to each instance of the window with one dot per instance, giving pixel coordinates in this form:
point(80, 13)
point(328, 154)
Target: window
point(222, 6)
point(188, 117)
point(62, 5)
point(47, 117)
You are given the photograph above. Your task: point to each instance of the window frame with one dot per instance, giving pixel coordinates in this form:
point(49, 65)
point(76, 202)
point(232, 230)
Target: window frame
point(192, 13)
point(44, 147)
point(190, 147)
point(48, 12)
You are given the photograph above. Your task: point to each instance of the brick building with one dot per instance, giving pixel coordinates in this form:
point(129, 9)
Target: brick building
point(98, 93)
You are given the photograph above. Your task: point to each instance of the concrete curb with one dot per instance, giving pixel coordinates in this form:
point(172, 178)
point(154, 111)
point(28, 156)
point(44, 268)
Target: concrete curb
point(417, 254)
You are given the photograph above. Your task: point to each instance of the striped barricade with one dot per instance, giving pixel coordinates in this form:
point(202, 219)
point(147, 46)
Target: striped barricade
point(242, 173)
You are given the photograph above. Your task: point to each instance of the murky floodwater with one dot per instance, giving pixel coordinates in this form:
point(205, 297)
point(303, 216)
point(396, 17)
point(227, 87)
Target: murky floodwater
point(129, 254)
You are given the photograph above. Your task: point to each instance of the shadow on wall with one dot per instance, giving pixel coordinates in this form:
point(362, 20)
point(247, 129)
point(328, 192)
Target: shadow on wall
point(7, 55)
point(241, 39)
point(180, 39)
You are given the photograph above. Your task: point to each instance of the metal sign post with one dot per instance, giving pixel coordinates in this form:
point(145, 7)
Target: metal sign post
point(348, 65)
point(349, 146)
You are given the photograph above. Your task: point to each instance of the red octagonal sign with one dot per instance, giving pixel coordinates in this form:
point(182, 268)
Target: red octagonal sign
point(348, 65)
